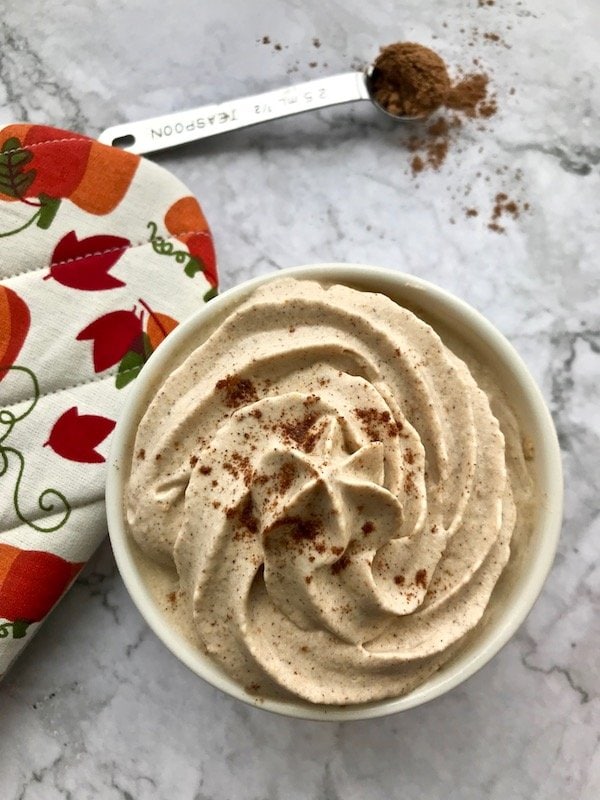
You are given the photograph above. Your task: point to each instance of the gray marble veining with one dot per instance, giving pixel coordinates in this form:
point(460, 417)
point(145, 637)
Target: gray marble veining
point(96, 707)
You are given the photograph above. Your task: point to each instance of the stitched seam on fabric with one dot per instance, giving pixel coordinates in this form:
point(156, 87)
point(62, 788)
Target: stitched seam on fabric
point(82, 140)
point(100, 253)
point(189, 233)
point(123, 248)
point(98, 499)
point(68, 388)
point(95, 254)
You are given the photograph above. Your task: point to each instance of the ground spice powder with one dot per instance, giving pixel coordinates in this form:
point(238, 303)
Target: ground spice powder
point(468, 94)
point(504, 206)
point(412, 80)
point(409, 80)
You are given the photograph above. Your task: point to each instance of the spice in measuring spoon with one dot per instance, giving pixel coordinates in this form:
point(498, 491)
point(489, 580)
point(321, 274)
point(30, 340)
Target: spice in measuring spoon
point(409, 80)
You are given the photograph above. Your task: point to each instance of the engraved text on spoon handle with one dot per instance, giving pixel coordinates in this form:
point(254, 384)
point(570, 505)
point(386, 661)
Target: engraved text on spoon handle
point(181, 127)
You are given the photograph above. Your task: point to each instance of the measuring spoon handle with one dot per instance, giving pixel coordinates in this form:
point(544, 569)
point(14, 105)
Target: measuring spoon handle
point(169, 130)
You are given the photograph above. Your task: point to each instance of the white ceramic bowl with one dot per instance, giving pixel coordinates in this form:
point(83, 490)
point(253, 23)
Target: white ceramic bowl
point(519, 585)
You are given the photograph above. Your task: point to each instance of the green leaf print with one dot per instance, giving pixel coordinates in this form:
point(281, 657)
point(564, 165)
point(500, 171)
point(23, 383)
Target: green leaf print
point(129, 368)
point(48, 208)
point(14, 179)
point(192, 267)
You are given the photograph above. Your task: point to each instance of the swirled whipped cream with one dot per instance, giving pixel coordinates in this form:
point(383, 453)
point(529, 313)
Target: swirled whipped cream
point(331, 486)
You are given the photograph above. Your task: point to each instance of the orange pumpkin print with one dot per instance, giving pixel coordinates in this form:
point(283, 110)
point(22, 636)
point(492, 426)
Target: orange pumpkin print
point(185, 221)
point(42, 165)
point(31, 582)
point(14, 325)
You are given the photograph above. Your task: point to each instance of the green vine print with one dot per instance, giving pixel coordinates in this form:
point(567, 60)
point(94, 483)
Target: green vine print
point(17, 629)
point(48, 497)
point(164, 247)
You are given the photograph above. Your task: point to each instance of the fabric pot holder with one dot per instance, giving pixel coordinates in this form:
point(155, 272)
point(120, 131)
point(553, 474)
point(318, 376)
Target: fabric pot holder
point(102, 253)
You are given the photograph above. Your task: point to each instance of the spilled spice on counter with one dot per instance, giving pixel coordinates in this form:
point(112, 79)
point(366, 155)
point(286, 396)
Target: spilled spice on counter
point(504, 206)
point(469, 105)
point(412, 80)
point(431, 148)
point(469, 96)
point(417, 164)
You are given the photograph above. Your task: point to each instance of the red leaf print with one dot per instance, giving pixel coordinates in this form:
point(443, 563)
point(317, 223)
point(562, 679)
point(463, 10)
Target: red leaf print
point(113, 335)
point(84, 263)
point(75, 436)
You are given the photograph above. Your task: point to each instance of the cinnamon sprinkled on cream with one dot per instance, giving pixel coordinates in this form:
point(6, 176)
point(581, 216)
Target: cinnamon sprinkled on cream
point(359, 508)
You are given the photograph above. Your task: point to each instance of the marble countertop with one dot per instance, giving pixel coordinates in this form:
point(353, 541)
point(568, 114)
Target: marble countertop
point(96, 707)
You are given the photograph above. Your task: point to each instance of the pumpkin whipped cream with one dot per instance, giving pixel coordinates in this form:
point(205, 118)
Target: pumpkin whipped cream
point(333, 490)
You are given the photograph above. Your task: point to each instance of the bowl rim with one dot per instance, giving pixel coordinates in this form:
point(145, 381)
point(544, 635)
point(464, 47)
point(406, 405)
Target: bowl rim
point(549, 519)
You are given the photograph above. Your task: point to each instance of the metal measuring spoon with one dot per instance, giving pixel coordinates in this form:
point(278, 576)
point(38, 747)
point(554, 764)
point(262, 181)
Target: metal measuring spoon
point(169, 130)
